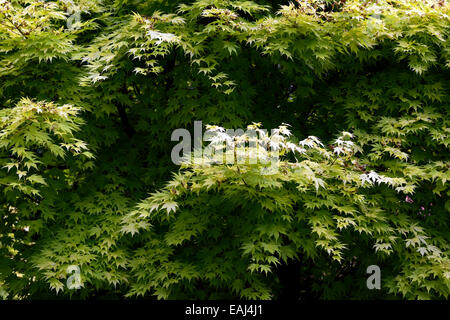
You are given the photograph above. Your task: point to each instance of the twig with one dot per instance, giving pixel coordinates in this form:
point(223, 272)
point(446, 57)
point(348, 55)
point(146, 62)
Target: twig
point(18, 29)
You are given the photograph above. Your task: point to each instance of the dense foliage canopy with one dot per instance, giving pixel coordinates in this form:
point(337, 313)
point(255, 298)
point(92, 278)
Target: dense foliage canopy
point(91, 90)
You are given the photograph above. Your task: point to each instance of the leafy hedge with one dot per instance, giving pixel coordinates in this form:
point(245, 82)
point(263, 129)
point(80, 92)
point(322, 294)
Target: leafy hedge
point(90, 92)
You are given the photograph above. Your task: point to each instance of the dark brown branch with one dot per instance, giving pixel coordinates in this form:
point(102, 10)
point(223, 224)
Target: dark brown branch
point(129, 130)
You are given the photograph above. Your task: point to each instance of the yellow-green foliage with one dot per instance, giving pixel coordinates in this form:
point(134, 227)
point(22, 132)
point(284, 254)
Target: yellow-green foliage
point(90, 92)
